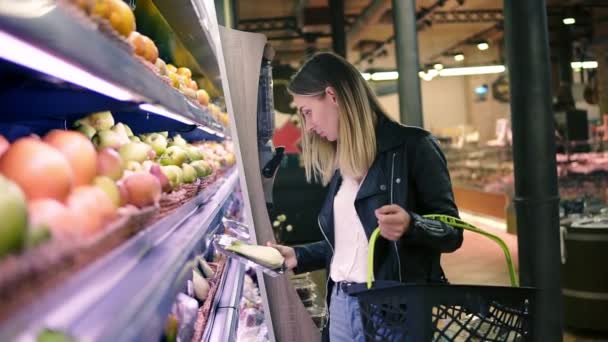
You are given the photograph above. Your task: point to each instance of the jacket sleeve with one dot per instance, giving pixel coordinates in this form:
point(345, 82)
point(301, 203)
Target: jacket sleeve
point(312, 256)
point(434, 195)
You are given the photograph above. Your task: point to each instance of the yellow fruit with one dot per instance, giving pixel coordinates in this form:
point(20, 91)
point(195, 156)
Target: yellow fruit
point(126, 25)
point(184, 72)
point(102, 8)
point(171, 68)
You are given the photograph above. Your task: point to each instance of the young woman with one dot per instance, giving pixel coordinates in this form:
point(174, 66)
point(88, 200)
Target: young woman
point(380, 174)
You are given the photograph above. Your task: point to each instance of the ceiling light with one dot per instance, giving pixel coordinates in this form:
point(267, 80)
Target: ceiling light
point(433, 73)
point(483, 46)
point(459, 57)
point(30, 56)
point(467, 71)
point(569, 21)
point(438, 66)
point(584, 65)
point(366, 76)
point(385, 76)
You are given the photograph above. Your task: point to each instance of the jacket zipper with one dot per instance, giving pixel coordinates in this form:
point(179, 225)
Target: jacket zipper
point(327, 280)
point(392, 202)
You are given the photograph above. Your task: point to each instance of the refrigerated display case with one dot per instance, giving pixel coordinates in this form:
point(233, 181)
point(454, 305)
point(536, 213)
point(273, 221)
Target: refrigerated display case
point(131, 279)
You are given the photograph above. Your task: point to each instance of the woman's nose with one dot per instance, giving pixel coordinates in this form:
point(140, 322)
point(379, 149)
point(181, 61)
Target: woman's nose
point(309, 126)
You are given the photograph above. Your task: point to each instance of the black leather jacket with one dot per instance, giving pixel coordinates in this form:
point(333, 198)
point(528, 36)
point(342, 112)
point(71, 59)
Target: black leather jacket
point(409, 170)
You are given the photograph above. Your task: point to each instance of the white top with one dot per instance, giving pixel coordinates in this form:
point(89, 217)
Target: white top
point(349, 262)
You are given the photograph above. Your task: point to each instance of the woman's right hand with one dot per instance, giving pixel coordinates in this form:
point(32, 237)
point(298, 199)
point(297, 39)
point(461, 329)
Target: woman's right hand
point(288, 253)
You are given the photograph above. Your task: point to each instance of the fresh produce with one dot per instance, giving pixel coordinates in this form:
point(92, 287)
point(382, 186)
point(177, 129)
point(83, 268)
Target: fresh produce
point(262, 255)
point(48, 335)
point(109, 138)
point(157, 142)
point(203, 169)
point(123, 130)
point(79, 152)
point(194, 153)
point(122, 18)
point(175, 175)
point(179, 141)
point(200, 284)
point(189, 173)
point(40, 170)
point(99, 121)
point(37, 235)
point(143, 189)
point(171, 328)
point(109, 163)
point(4, 144)
point(53, 215)
point(162, 67)
point(143, 47)
point(134, 166)
point(157, 172)
point(174, 155)
point(13, 211)
point(92, 209)
point(86, 129)
point(135, 151)
point(110, 188)
point(207, 270)
point(203, 97)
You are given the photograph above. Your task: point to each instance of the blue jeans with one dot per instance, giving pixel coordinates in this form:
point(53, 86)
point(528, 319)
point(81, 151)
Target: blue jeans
point(344, 318)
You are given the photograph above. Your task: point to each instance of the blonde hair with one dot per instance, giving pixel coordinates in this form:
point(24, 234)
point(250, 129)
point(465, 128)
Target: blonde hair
point(355, 150)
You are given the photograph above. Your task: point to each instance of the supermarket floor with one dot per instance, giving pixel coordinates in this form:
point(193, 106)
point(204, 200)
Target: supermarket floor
point(481, 261)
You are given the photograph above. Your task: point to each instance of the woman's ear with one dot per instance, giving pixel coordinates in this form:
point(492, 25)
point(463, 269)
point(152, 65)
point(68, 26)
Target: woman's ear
point(331, 92)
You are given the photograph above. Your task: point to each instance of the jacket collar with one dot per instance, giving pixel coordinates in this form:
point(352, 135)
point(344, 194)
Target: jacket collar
point(389, 134)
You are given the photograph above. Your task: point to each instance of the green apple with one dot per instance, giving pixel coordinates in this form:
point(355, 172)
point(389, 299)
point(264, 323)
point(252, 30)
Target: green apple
point(164, 134)
point(134, 166)
point(189, 173)
point(175, 175)
point(121, 129)
point(174, 155)
point(109, 187)
point(13, 211)
point(100, 121)
point(135, 139)
point(86, 129)
point(128, 131)
point(202, 167)
point(37, 236)
point(179, 141)
point(48, 335)
point(194, 153)
point(157, 142)
point(108, 138)
point(135, 151)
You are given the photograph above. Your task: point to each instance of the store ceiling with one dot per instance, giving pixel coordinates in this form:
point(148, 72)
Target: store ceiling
point(288, 23)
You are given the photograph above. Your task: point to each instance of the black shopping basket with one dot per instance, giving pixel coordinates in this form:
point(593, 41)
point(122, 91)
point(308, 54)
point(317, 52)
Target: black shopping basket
point(392, 311)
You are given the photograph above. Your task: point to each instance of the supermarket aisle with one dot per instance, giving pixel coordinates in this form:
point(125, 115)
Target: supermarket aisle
point(481, 261)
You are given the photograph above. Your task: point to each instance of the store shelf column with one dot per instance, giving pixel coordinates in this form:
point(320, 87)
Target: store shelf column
point(406, 45)
point(536, 195)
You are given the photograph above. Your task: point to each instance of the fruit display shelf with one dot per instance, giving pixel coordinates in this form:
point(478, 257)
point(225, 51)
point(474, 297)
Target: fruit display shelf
point(47, 37)
point(223, 319)
point(192, 23)
point(126, 295)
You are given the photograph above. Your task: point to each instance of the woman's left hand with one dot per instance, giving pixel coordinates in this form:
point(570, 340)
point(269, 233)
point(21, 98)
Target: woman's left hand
point(393, 221)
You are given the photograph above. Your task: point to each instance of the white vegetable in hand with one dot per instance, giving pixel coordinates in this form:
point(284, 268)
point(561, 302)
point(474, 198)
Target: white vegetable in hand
point(266, 256)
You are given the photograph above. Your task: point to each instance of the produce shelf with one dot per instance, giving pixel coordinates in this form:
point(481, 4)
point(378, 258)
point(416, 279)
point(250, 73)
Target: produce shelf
point(126, 295)
point(192, 24)
point(49, 38)
point(223, 318)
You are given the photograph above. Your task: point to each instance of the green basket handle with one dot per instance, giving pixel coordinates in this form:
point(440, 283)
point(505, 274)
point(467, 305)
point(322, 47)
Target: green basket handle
point(454, 222)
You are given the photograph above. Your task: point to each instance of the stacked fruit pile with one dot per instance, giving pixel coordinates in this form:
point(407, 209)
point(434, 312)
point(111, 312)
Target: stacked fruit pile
point(74, 184)
point(120, 18)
